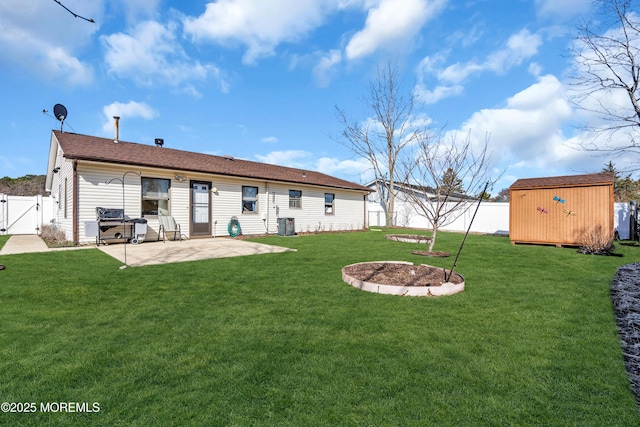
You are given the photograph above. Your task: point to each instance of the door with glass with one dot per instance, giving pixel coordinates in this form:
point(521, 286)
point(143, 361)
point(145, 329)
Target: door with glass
point(200, 208)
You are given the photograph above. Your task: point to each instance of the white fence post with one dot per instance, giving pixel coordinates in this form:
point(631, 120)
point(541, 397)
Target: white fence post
point(3, 214)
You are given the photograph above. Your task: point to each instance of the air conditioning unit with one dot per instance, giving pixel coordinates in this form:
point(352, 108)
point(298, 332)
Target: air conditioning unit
point(286, 226)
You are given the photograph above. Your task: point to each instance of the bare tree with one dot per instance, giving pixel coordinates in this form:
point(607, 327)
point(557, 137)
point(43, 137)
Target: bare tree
point(502, 196)
point(606, 83)
point(442, 177)
point(383, 137)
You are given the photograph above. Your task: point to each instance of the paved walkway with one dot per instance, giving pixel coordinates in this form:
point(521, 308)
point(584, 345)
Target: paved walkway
point(152, 252)
point(21, 244)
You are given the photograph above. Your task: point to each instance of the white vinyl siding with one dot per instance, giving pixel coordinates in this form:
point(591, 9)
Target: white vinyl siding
point(348, 207)
point(63, 196)
point(272, 201)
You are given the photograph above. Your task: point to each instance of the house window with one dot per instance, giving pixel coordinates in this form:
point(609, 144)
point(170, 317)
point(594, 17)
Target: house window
point(249, 199)
point(295, 199)
point(155, 196)
point(329, 201)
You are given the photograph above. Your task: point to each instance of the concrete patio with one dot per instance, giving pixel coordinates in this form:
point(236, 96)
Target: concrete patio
point(152, 252)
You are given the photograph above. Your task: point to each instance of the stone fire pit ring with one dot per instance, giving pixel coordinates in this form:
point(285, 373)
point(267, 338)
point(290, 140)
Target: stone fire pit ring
point(447, 288)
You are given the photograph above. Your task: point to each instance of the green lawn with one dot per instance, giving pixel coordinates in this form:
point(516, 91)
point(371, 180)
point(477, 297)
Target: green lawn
point(280, 340)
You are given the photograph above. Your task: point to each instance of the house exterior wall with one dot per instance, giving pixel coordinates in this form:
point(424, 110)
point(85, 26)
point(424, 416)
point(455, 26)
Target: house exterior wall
point(348, 212)
point(100, 184)
point(63, 195)
point(585, 208)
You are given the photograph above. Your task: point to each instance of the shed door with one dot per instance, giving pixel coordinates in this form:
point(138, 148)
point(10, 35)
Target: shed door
point(200, 208)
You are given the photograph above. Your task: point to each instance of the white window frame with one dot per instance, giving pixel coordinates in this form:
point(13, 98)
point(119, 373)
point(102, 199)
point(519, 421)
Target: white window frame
point(295, 199)
point(249, 199)
point(157, 198)
point(330, 208)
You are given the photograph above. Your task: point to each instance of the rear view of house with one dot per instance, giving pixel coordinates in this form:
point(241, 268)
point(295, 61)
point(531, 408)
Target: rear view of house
point(560, 210)
point(201, 192)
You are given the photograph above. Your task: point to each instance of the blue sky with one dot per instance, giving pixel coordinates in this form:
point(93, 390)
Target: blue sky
point(260, 80)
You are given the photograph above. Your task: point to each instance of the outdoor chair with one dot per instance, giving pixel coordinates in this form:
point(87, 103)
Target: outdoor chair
point(168, 225)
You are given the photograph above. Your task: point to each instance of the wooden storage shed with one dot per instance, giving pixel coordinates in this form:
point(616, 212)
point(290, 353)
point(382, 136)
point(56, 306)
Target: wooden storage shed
point(560, 210)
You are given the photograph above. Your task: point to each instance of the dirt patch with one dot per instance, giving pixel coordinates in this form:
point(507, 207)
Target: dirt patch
point(394, 274)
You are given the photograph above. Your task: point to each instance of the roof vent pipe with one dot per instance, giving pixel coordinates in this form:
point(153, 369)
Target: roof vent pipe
point(117, 124)
point(159, 142)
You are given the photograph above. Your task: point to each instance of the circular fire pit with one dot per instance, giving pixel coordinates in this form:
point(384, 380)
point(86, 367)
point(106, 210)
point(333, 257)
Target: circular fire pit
point(402, 278)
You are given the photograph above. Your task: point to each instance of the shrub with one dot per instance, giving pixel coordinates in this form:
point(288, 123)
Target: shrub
point(596, 242)
point(53, 236)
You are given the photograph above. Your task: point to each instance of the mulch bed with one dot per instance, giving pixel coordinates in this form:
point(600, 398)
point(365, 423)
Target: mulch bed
point(387, 273)
point(625, 295)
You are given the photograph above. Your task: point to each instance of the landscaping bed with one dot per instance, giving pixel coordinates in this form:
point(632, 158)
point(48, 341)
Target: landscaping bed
point(625, 294)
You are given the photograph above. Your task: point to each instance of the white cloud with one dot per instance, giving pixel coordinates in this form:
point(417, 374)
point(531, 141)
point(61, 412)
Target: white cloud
point(291, 158)
point(449, 79)
point(269, 139)
point(259, 25)
point(359, 169)
point(391, 25)
point(151, 54)
point(528, 131)
point(325, 66)
point(562, 8)
point(520, 46)
point(440, 92)
point(135, 10)
point(126, 111)
point(41, 37)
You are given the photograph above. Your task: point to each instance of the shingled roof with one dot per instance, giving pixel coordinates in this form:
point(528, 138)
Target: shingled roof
point(90, 148)
point(605, 178)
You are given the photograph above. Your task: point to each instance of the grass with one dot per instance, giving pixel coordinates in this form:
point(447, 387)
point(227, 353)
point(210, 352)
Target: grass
point(280, 340)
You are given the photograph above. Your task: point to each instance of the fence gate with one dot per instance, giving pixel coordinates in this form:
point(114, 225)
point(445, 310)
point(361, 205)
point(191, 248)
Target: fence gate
point(20, 214)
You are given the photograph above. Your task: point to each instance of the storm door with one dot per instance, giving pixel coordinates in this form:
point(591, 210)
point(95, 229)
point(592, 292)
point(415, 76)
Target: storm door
point(200, 223)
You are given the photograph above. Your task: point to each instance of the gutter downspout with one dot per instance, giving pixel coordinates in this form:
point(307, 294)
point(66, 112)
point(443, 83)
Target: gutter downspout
point(76, 204)
point(266, 222)
point(366, 213)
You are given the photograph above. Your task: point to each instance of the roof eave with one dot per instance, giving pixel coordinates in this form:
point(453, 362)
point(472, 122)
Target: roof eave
point(363, 190)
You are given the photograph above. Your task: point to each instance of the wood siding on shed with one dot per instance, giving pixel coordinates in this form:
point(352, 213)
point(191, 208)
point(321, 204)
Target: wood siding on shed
point(535, 217)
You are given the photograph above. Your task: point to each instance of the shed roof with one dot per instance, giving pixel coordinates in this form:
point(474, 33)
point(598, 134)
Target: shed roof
point(602, 178)
point(91, 148)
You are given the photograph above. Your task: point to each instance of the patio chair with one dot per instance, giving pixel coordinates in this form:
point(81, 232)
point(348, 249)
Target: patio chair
point(168, 225)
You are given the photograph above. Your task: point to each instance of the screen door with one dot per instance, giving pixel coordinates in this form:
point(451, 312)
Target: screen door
point(200, 208)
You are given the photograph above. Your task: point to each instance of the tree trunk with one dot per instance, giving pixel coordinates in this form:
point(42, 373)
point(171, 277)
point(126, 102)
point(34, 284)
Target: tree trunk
point(433, 239)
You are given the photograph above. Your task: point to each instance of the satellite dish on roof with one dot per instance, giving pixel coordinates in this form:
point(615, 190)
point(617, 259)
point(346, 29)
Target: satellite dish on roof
point(60, 113)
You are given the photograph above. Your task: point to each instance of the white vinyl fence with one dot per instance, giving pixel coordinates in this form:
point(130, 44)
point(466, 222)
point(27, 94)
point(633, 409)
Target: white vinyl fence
point(25, 214)
point(492, 218)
